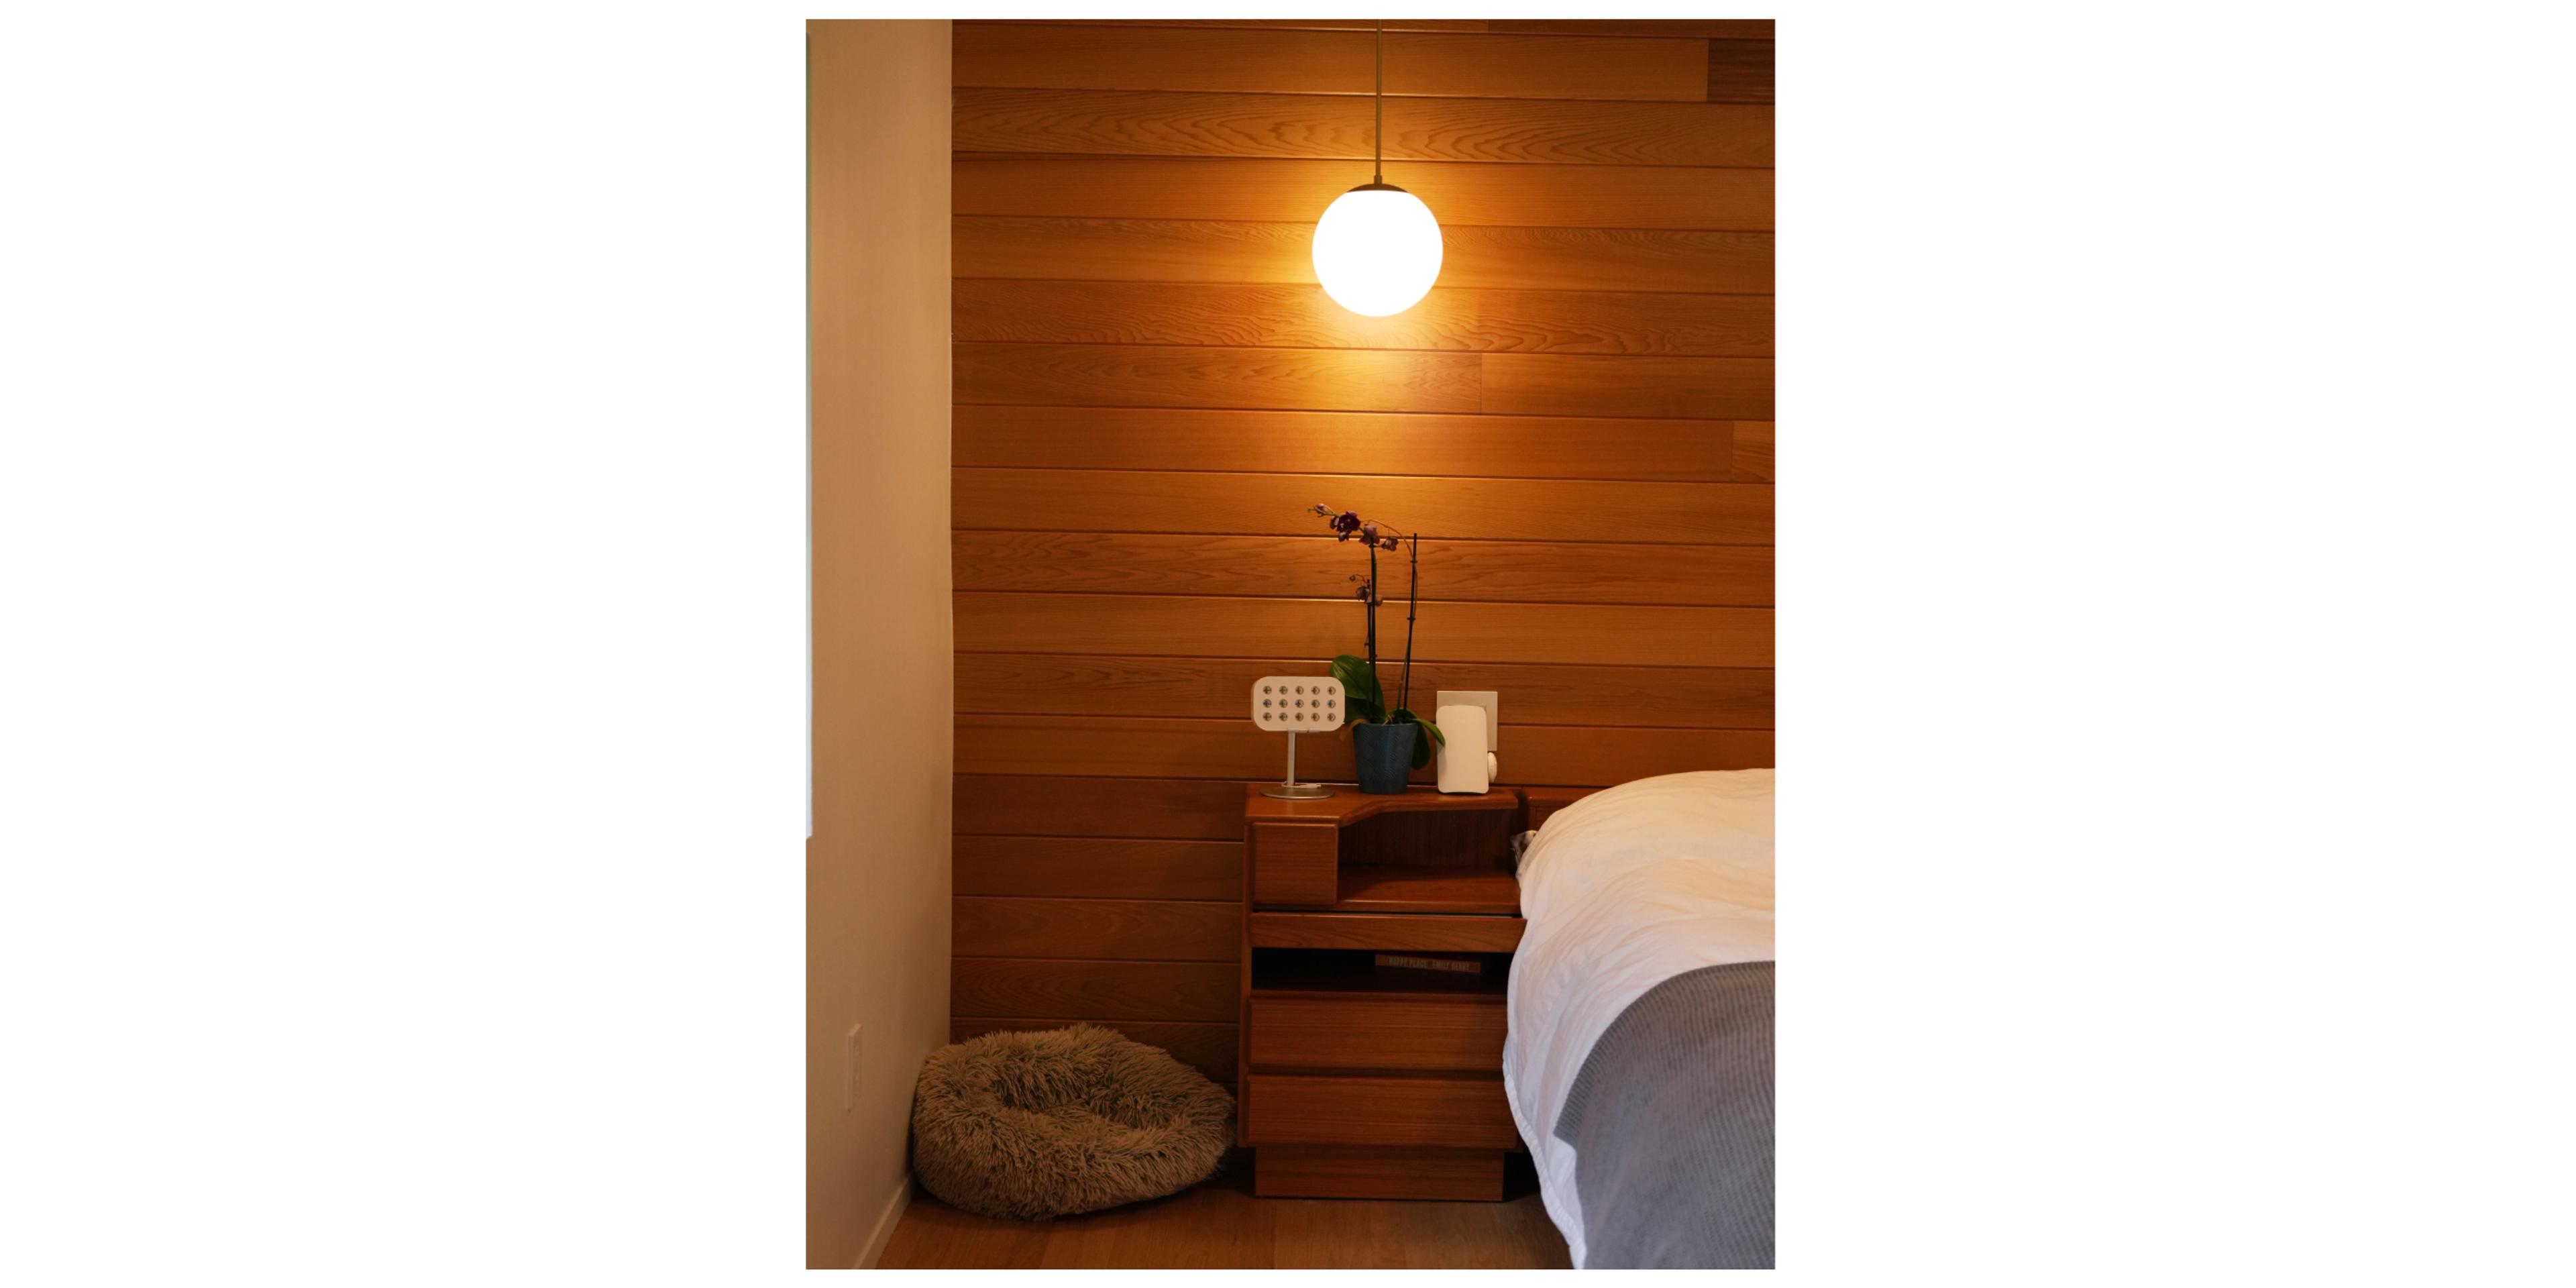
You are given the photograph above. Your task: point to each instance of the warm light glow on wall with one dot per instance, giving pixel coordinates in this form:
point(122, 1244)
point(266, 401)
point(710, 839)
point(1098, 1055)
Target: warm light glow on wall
point(1377, 250)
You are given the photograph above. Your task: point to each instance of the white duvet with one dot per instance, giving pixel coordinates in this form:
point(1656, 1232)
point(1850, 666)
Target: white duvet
point(1623, 890)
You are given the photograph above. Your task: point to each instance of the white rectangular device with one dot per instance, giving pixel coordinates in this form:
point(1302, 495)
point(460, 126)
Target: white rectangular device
point(1471, 721)
point(1295, 704)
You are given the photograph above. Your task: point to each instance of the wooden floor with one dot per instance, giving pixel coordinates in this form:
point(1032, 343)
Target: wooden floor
point(1220, 1225)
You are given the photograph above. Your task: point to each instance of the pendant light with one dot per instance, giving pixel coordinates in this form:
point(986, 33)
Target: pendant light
point(1377, 248)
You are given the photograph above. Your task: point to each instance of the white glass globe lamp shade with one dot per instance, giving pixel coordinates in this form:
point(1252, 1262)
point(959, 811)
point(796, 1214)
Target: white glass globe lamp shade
point(1377, 250)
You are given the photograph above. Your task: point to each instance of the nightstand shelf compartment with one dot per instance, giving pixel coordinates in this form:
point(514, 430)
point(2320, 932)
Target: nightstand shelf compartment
point(1294, 972)
point(1456, 890)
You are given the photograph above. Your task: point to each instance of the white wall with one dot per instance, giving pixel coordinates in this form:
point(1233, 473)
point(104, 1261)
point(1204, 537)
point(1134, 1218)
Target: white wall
point(877, 868)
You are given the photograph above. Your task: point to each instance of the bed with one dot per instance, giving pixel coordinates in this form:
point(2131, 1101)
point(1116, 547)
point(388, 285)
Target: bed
point(1638, 1061)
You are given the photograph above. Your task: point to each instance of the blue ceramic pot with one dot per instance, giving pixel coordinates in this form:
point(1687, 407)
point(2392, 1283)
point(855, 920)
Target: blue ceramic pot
point(1385, 755)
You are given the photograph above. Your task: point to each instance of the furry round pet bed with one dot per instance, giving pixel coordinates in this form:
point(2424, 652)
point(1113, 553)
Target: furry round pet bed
point(1047, 1124)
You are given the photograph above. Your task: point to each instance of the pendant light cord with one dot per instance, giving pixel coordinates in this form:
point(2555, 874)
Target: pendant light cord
point(1377, 142)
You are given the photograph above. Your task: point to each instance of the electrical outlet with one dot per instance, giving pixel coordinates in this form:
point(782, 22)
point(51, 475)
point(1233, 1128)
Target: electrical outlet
point(850, 1070)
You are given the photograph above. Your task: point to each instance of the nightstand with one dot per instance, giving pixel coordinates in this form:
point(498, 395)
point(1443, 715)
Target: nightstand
point(1358, 1082)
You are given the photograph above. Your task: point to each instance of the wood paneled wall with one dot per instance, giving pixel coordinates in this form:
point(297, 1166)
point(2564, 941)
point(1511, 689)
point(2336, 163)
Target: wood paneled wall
point(1151, 390)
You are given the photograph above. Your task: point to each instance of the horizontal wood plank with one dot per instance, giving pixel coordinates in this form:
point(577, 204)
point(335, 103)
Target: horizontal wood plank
point(1099, 991)
point(1097, 867)
point(1548, 384)
point(1164, 250)
point(1389, 443)
point(1460, 194)
point(1739, 71)
point(1306, 24)
point(1216, 688)
point(1058, 807)
point(1152, 376)
point(1294, 61)
point(1329, 126)
point(1708, 28)
point(1208, 1048)
point(1283, 315)
point(1302, 567)
point(1752, 450)
point(1096, 929)
point(1235, 750)
point(1496, 509)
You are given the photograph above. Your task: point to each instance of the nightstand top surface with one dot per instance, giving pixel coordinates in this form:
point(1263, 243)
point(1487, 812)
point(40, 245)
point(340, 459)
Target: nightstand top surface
point(1349, 804)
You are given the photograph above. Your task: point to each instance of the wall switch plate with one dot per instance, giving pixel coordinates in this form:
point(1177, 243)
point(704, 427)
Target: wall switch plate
point(1491, 701)
point(850, 1069)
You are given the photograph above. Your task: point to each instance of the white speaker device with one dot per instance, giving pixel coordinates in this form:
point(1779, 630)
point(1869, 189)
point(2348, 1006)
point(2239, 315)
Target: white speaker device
point(1470, 725)
point(1297, 704)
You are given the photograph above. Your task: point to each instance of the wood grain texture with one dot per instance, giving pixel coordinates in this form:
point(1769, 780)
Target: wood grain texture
point(1138, 375)
point(1294, 61)
point(1465, 1033)
point(1713, 28)
point(1072, 684)
point(1752, 451)
point(1170, 626)
point(1428, 933)
point(1097, 929)
point(1346, 1172)
point(1305, 24)
point(1170, 250)
point(1222, 1224)
point(1094, 990)
point(1536, 384)
point(1437, 509)
point(1150, 391)
point(1235, 751)
point(1094, 867)
point(1739, 71)
point(1292, 442)
point(1060, 806)
point(1427, 888)
point(1292, 1109)
point(1290, 316)
point(1293, 863)
point(1461, 194)
point(1315, 126)
point(1518, 571)
point(1208, 1048)
point(1544, 802)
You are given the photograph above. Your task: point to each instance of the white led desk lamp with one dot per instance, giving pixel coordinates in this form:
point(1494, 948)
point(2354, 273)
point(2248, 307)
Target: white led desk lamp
point(1297, 704)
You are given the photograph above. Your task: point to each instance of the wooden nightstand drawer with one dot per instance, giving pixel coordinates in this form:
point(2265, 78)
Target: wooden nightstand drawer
point(1297, 1109)
point(1292, 863)
point(1330, 1033)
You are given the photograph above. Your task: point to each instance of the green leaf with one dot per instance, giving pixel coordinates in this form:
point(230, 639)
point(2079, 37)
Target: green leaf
point(1421, 746)
point(1360, 691)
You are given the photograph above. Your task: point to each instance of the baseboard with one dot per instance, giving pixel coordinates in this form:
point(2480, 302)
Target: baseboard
point(895, 1204)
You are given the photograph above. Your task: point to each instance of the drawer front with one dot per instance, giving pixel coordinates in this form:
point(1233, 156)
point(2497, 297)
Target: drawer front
point(1292, 863)
point(1299, 1109)
point(1321, 1033)
point(1361, 1172)
point(1420, 932)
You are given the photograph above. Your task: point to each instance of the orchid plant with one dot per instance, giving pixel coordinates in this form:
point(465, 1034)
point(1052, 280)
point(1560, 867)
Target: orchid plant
point(1366, 698)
